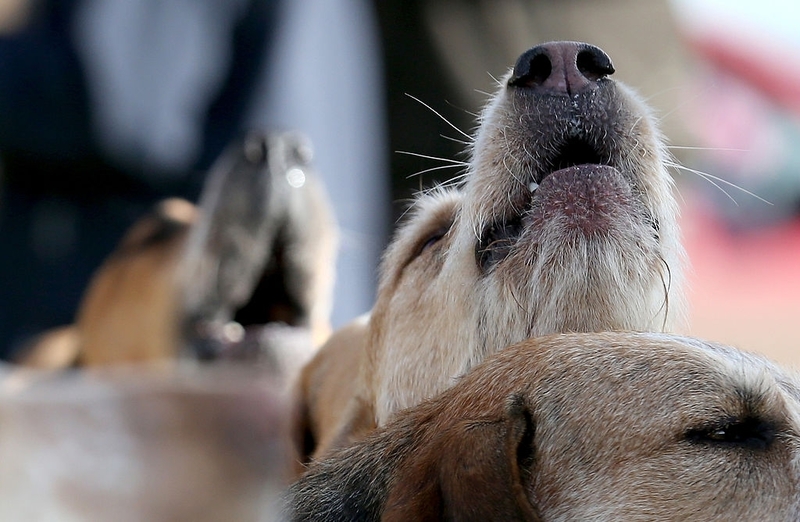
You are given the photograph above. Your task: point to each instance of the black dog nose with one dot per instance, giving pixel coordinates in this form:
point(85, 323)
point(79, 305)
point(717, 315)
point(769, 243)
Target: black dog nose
point(561, 67)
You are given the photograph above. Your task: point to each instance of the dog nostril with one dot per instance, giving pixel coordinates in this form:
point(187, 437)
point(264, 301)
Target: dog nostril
point(256, 149)
point(593, 63)
point(561, 68)
point(538, 70)
point(532, 69)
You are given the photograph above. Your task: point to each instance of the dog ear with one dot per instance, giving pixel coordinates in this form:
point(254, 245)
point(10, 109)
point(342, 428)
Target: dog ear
point(328, 412)
point(476, 471)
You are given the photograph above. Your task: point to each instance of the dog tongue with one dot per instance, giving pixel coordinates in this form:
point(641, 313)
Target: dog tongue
point(586, 197)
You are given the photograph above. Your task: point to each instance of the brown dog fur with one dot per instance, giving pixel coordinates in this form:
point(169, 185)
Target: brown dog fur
point(128, 313)
point(565, 221)
point(604, 426)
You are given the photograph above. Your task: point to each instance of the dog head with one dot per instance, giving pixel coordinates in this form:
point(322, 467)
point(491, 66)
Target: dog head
point(607, 426)
point(565, 222)
point(262, 250)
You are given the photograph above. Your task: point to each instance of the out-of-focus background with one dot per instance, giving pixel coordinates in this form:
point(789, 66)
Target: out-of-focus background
point(742, 106)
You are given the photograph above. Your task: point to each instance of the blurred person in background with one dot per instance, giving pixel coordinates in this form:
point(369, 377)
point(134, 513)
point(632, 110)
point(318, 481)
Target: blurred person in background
point(107, 106)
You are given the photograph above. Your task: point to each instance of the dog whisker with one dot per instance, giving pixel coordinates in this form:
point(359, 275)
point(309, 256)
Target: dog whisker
point(436, 158)
point(440, 167)
point(519, 304)
point(725, 149)
point(472, 114)
point(667, 285)
point(456, 140)
point(440, 116)
point(455, 181)
point(512, 174)
point(713, 179)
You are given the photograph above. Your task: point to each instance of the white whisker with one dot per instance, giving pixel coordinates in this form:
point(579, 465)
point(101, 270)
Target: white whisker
point(461, 142)
point(470, 113)
point(440, 167)
point(440, 116)
point(425, 156)
point(498, 82)
point(712, 179)
point(681, 147)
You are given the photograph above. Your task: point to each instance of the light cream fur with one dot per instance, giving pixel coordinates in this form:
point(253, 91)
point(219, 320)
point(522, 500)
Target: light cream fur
point(613, 264)
point(202, 443)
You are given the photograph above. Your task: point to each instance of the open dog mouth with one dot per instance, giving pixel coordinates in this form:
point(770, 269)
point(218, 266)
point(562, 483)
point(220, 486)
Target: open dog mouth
point(561, 104)
point(574, 152)
point(572, 172)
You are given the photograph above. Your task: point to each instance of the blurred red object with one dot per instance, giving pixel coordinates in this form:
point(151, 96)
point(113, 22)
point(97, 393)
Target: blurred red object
point(744, 289)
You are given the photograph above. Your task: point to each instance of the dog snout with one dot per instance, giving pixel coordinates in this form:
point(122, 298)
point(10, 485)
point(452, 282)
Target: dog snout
point(561, 68)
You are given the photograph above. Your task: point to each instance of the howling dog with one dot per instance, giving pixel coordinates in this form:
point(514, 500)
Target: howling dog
point(565, 222)
point(203, 280)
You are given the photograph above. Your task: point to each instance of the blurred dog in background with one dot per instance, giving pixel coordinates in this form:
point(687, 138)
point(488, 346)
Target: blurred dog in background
point(245, 274)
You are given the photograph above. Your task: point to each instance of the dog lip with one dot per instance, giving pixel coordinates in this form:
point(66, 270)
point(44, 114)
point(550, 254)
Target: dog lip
point(585, 194)
point(587, 197)
point(496, 241)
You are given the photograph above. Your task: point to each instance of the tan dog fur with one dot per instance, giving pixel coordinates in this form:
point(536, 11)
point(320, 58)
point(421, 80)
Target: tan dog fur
point(128, 312)
point(605, 426)
point(595, 248)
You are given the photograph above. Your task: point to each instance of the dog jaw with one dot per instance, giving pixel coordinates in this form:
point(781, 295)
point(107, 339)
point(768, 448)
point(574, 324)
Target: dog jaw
point(593, 247)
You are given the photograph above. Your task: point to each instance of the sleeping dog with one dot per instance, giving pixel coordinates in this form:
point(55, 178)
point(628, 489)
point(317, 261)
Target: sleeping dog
point(565, 222)
point(600, 426)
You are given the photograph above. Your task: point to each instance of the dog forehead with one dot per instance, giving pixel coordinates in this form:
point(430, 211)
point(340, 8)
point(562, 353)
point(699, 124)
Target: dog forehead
point(641, 374)
point(666, 359)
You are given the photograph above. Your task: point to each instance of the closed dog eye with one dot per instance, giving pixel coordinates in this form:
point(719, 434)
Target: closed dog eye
point(747, 433)
point(432, 239)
